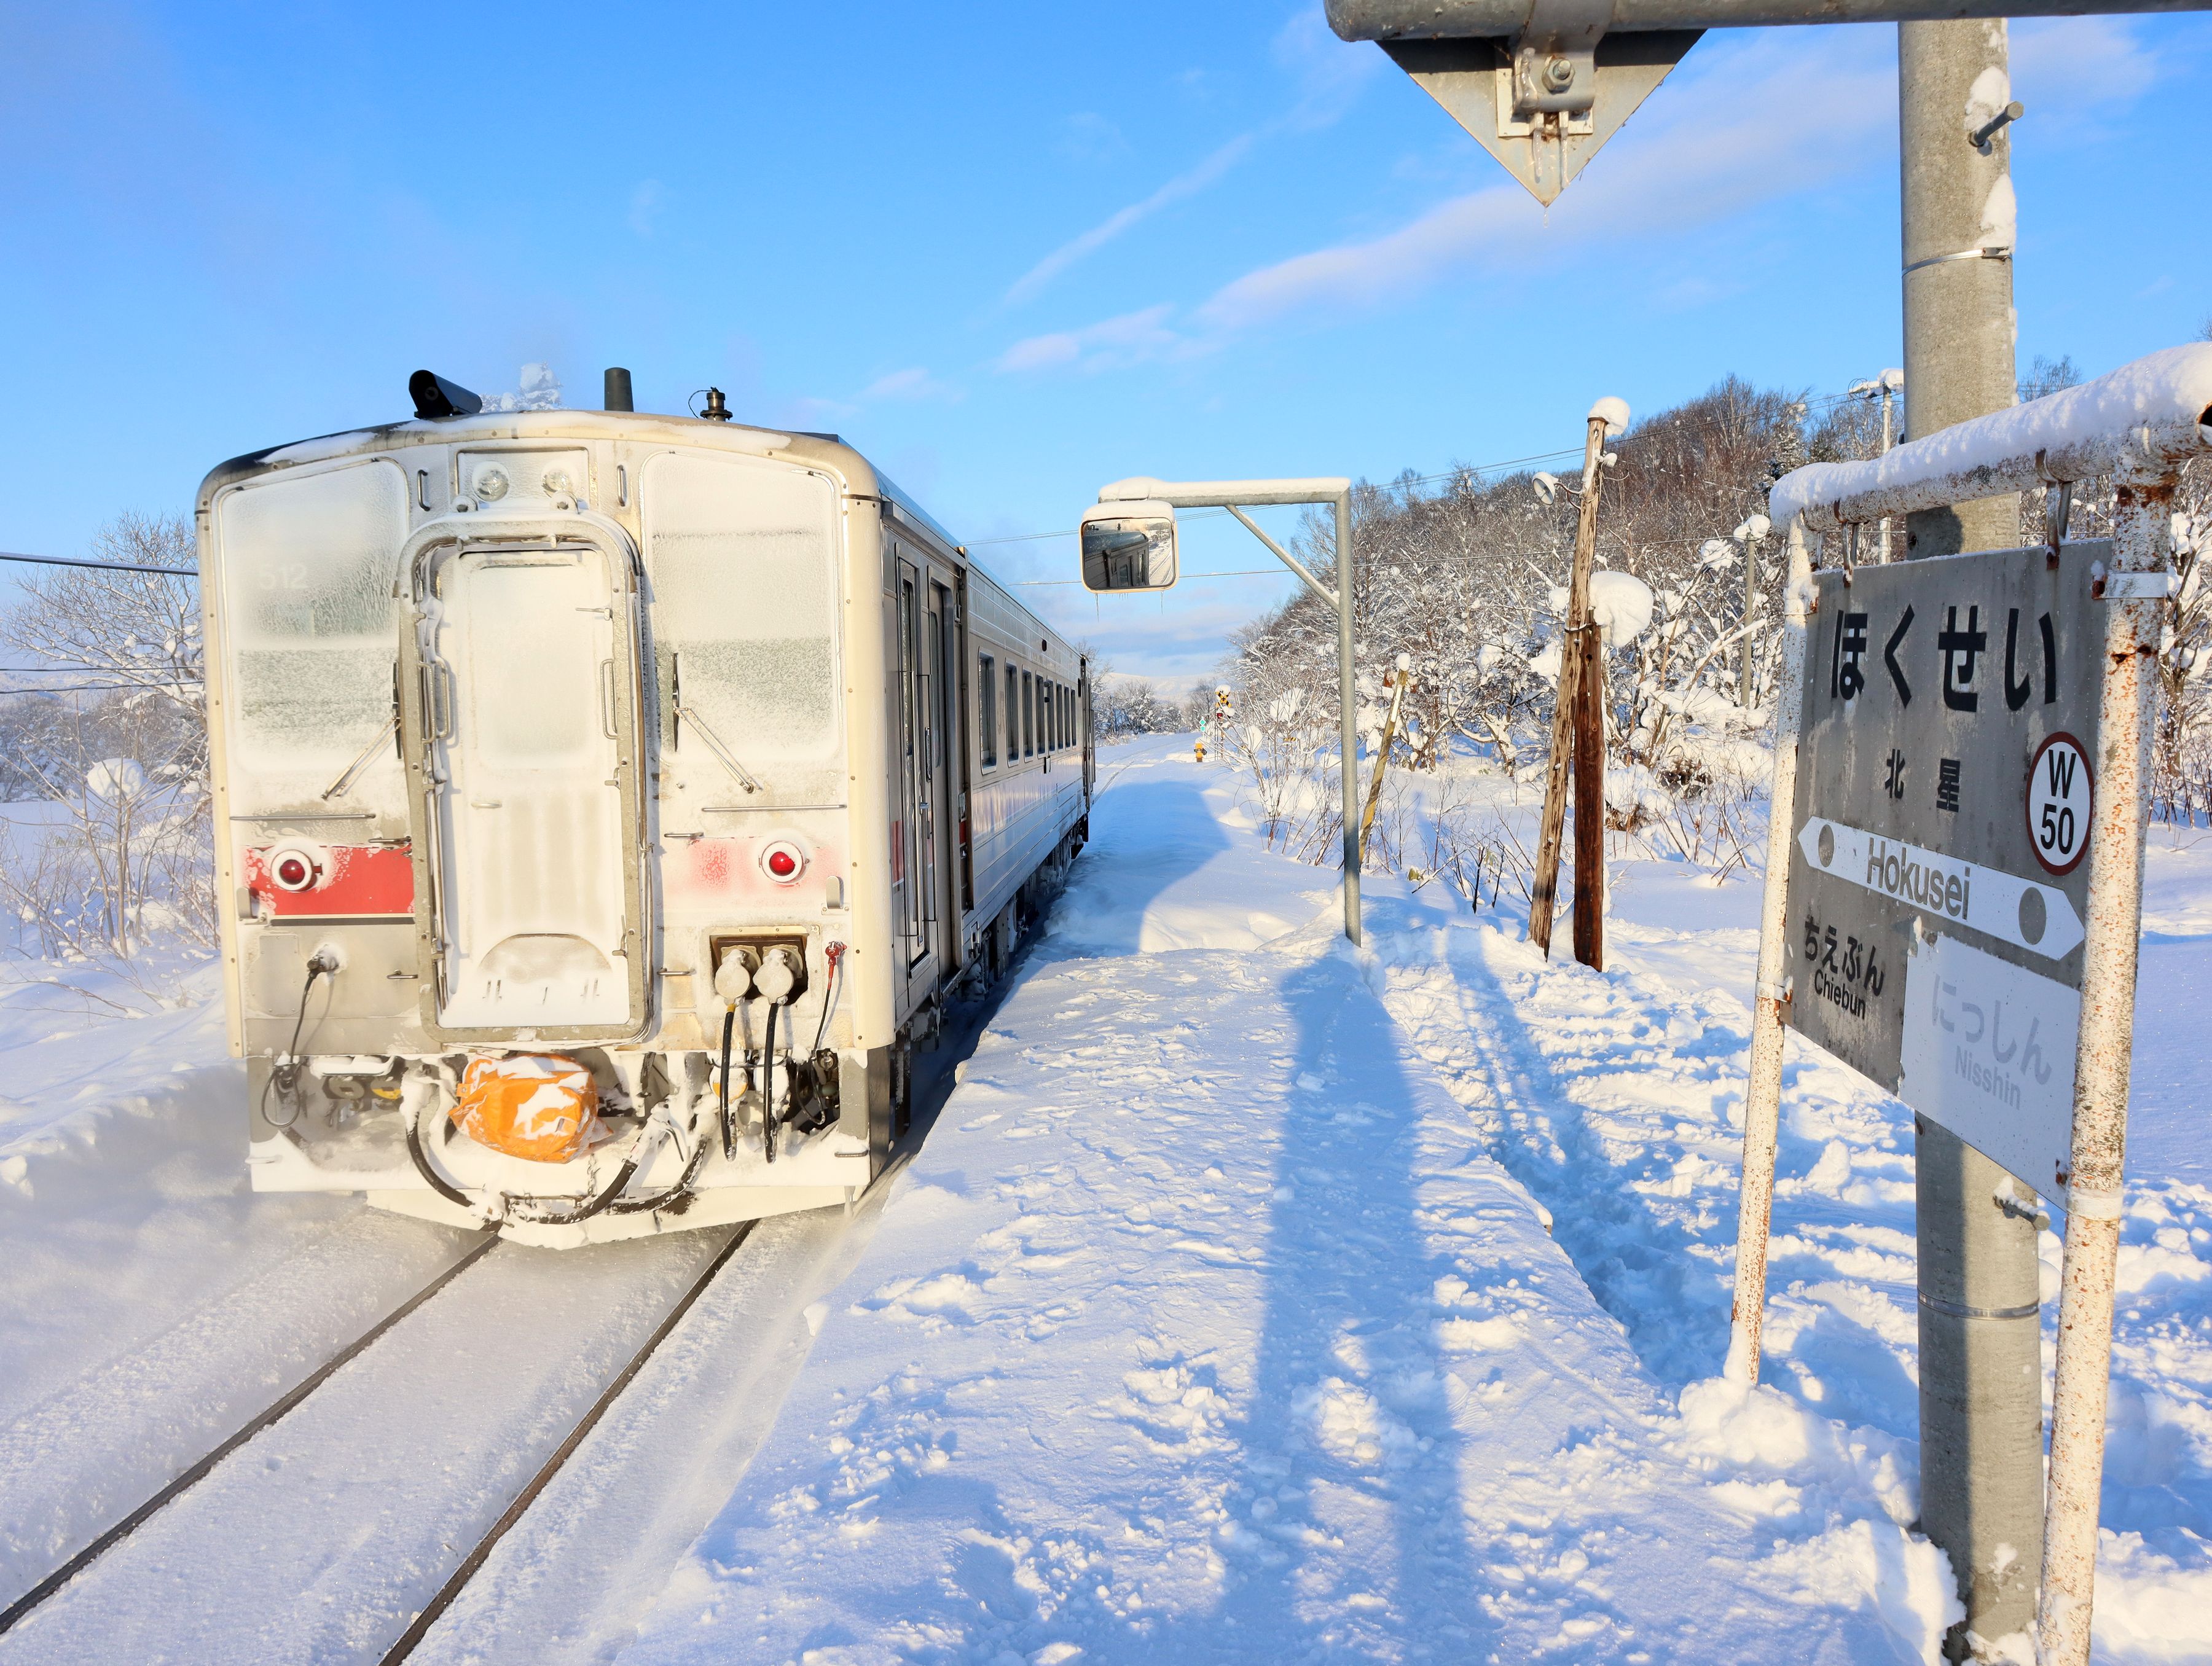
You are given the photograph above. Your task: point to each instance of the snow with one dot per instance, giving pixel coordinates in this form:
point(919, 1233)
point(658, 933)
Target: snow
point(1254, 1298)
point(2168, 389)
point(1990, 92)
point(540, 392)
point(1219, 1319)
point(2000, 215)
point(112, 778)
point(1614, 413)
point(1620, 603)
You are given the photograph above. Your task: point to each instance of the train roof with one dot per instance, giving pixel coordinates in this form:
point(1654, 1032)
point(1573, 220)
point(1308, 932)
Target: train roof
point(828, 451)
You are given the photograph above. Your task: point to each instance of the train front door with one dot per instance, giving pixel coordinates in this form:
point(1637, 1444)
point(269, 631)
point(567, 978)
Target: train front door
point(524, 697)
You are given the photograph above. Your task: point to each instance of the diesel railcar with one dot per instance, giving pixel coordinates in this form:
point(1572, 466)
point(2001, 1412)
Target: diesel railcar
point(662, 768)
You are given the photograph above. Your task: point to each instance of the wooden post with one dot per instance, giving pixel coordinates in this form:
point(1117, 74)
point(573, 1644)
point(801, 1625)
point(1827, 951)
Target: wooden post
point(1589, 790)
point(1397, 682)
point(1542, 900)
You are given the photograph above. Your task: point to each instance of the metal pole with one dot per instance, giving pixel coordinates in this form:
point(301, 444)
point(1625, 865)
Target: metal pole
point(1981, 1426)
point(1347, 738)
point(1762, 1098)
point(1236, 495)
point(2141, 541)
point(1958, 226)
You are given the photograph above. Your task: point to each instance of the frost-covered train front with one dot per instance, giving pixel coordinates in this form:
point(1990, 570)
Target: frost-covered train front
point(547, 791)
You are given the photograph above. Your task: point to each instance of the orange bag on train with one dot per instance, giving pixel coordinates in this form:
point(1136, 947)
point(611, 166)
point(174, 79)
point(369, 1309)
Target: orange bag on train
point(541, 1106)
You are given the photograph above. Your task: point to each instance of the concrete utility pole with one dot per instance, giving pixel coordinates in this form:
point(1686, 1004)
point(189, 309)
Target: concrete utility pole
point(1748, 537)
point(1960, 224)
point(1981, 1415)
point(1884, 387)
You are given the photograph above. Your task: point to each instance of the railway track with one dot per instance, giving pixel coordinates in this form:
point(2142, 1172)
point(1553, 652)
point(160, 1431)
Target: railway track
point(95, 1616)
point(86, 1560)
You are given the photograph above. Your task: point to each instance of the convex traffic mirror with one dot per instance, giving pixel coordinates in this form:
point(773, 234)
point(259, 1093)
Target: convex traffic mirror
point(1129, 546)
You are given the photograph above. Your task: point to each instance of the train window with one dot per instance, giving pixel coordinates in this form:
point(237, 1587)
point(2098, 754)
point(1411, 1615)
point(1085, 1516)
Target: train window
point(742, 559)
point(306, 566)
point(989, 686)
point(1013, 715)
point(1029, 715)
point(1044, 715)
point(1052, 706)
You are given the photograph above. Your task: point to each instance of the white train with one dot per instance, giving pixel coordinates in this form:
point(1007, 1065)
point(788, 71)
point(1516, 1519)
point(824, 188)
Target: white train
point(611, 801)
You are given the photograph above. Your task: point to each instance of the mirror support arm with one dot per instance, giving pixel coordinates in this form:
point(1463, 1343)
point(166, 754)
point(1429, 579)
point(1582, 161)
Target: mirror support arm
point(1284, 556)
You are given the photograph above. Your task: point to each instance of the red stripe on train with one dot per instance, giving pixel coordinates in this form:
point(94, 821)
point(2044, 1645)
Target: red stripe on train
point(347, 880)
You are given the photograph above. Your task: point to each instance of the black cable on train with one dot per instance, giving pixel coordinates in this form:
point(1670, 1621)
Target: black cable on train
point(284, 1073)
point(729, 1127)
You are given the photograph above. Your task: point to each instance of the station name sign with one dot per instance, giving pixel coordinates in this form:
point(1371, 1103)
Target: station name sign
point(1937, 889)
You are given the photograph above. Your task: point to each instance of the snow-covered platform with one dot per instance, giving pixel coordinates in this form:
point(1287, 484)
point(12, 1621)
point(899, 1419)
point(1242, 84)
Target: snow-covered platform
point(1207, 1326)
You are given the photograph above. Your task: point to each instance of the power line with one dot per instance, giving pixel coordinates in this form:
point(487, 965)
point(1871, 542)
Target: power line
point(1241, 573)
point(1478, 469)
point(104, 566)
point(98, 688)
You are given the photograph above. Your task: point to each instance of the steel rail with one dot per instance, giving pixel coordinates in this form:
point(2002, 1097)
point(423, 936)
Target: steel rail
point(457, 1581)
point(67, 1570)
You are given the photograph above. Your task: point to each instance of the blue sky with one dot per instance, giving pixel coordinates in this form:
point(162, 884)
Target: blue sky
point(1012, 253)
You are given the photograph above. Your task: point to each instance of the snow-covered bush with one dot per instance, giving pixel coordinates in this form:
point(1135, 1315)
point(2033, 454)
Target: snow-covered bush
point(1284, 741)
point(1123, 707)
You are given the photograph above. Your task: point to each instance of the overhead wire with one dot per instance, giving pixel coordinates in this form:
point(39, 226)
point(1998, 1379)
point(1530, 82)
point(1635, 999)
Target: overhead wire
point(105, 567)
point(102, 688)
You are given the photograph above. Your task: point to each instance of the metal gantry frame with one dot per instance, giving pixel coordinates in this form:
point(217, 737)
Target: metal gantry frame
point(1236, 496)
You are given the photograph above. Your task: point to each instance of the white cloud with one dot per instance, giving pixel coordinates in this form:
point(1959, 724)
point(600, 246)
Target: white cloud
point(1186, 183)
point(1131, 338)
point(645, 205)
point(1806, 118)
point(1326, 74)
point(1088, 137)
point(1768, 120)
point(1330, 73)
point(2072, 71)
point(913, 383)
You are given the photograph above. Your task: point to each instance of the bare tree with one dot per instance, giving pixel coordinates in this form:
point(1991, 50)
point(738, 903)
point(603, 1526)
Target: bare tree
point(124, 854)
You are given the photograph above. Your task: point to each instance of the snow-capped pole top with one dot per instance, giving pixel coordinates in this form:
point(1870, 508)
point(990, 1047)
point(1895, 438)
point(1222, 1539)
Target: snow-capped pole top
point(2155, 412)
point(1614, 413)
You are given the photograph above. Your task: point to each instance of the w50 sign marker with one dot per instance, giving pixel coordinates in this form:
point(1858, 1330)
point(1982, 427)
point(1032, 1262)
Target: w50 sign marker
point(2060, 794)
